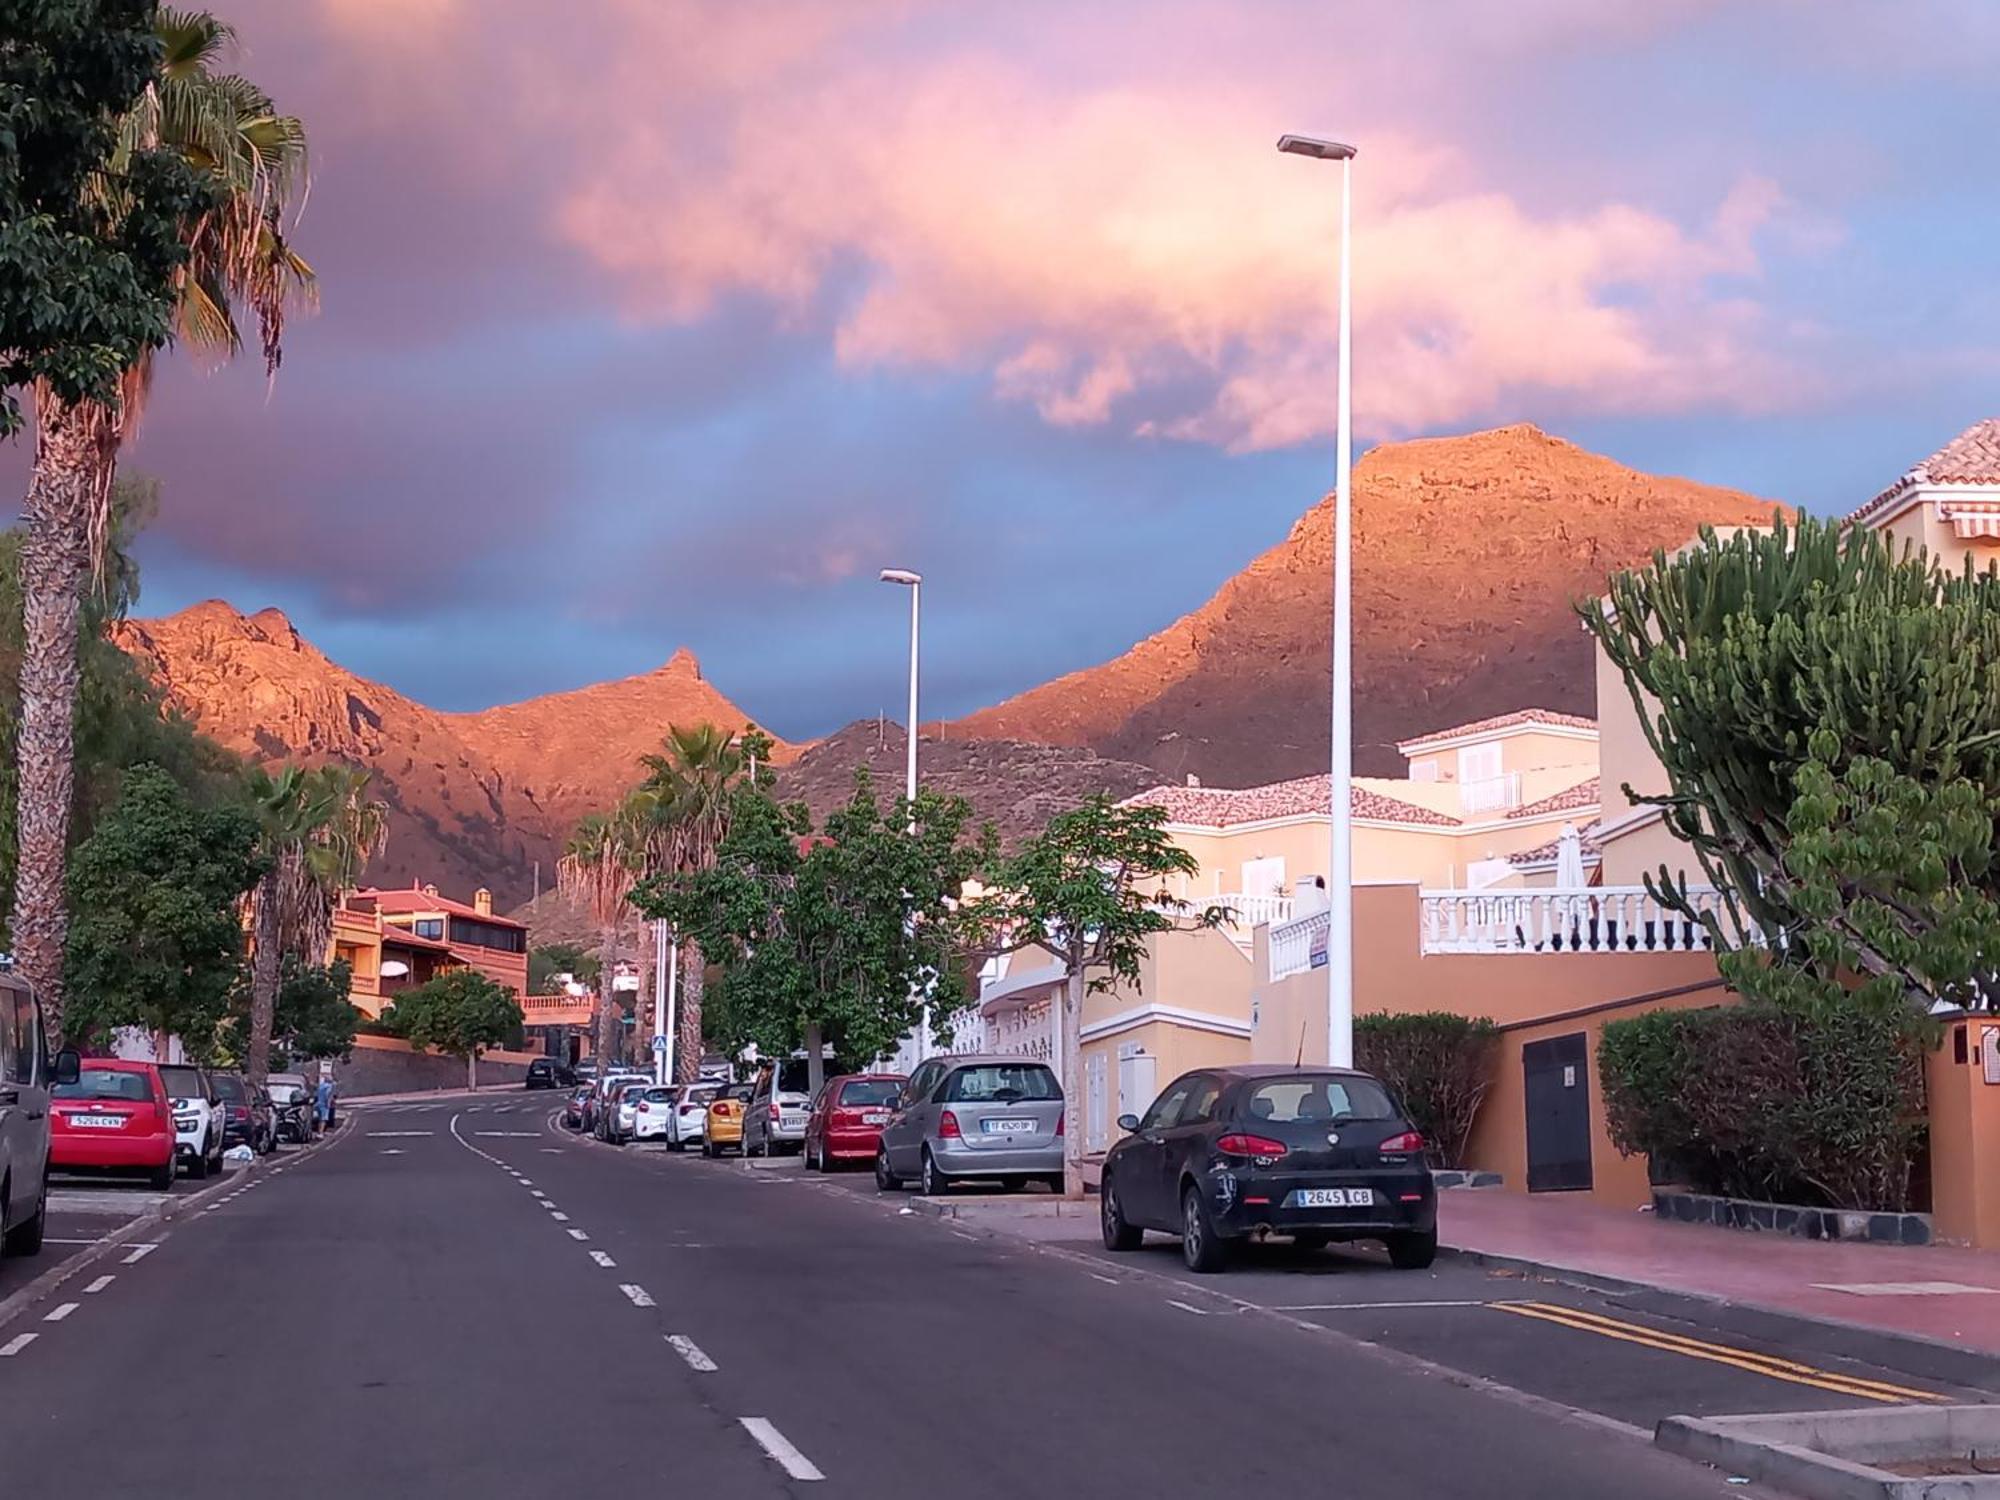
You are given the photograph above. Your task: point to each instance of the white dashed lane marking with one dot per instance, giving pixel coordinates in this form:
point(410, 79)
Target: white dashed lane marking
point(639, 1296)
point(16, 1344)
point(61, 1312)
point(139, 1253)
point(690, 1351)
point(578, 1234)
point(603, 1259)
point(780, 1448)
point(99, 1285)
point(560, 1218)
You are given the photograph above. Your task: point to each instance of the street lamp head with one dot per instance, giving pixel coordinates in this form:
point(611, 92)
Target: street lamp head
point(1305, 145)
point(901, 575)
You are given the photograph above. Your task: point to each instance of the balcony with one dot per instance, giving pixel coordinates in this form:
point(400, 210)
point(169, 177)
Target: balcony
point(1490, 793)
point(1591, 919)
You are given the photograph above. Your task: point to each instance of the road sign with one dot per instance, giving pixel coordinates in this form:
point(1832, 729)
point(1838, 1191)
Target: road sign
point(659, 1044)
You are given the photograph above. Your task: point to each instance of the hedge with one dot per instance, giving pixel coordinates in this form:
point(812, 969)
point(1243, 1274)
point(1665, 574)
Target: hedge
point(1439, 1064)
point(1822, 1108)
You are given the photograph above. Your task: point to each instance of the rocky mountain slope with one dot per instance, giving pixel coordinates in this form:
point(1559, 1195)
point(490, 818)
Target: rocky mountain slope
point(1468, 553)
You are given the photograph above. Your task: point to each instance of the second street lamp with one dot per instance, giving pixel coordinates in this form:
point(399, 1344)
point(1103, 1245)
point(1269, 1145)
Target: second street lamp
point(1340, 875)
point(914, 582)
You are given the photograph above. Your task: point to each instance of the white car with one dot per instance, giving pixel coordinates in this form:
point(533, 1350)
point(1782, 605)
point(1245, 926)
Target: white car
point(197, 1118)
point(652, 1108)
point(613, 1121)
point(688, 1122)
point(26, 1076)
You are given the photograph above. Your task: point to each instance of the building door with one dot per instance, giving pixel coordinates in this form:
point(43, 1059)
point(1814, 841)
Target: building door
point(1557, 1084)
point(1095, 1136)
point(1136, 1085)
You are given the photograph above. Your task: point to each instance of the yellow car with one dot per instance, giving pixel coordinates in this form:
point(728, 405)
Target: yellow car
point(724, 1127)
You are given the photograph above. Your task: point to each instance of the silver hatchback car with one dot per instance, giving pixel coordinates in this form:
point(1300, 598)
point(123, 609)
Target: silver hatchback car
point(974, 1117)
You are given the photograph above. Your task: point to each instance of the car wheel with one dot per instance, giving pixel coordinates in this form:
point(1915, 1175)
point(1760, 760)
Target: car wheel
point(1413, 1249)
point(812, 1164)
point(1012, 1184)
point(25, 1238)
point(1202, 1249)
point(932, 1183)
point(886, 1181)
point(161, 1179)
point(1118, 1233)
point(1056, 1184)
point(708, 1149)
point(198, 1167)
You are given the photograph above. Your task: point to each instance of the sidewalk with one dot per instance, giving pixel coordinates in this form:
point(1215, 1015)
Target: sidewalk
point(1940, 1293)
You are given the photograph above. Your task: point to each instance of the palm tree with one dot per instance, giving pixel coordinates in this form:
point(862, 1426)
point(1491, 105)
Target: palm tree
point(254, 161)
point(601, 863)
point(687, 795)
point(319, 829)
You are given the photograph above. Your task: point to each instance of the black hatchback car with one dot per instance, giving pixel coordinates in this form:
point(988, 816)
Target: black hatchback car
point(548, 1073)
point(1320, 1154)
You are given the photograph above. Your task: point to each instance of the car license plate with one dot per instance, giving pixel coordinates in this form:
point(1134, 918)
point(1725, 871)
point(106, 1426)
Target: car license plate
point(1333, 1198)
point(1007, 1127)
point(875, 1117)
point(97, 1122)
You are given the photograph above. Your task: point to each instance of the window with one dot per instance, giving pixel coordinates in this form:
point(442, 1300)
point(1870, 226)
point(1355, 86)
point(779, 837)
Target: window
point(230, 1089)
point(17, 1036)
point(497, 936)
point(107, 1083)
point(433, 928)
point(1166, 1109)
point(1200, 1106)
point(865, 1091)
point(996, 1083)
point(183, 1082)
point(1479, 762)
point(1425, 769)
point(1285, 1101)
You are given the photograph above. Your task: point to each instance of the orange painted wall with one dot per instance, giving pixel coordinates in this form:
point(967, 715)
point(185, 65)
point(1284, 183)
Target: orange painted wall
point(1965, 1139)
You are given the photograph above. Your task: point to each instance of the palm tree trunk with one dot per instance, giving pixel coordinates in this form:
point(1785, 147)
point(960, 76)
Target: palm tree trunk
point(266, 968)
point(607, 1000)
point(55, 562)
point(687, 1044)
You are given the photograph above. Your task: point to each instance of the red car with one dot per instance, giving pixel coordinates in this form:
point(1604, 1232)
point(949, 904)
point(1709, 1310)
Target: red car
point(115, 1117)
point(847, 1118)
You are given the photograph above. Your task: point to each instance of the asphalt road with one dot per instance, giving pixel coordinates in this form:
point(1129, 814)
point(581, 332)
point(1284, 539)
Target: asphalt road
point(454, 1299)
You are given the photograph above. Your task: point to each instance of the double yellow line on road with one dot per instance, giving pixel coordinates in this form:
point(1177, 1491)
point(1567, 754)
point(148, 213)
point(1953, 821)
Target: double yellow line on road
point(1721, 1354)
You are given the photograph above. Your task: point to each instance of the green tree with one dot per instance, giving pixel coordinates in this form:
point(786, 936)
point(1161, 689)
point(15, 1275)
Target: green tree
point(1090, 889)
point(155, 941)
point(551, 959)
point(1824, 702)
point(461, 1012)
point(314, 1017)
point(682, 810)
point(836, 941)
point(92, 243)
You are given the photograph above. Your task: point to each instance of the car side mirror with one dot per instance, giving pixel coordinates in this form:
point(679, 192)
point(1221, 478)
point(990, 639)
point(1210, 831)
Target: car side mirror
point(1128, 1123)
point(69, 1066)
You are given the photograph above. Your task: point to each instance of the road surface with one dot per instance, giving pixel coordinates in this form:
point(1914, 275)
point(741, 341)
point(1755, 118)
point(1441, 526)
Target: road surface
point(454, 1298)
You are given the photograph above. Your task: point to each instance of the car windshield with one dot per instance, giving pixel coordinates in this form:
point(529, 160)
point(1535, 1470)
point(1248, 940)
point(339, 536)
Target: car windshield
point(182, 1083)
point(106, 1083)
point(699, 1095)
point(659, 1096)
point(284, 1093)
point(1002, 1083)
point(794, 1076)
point(230, 1088)
point(1283, 1101)
point(734, 1091)
point(869, 1091)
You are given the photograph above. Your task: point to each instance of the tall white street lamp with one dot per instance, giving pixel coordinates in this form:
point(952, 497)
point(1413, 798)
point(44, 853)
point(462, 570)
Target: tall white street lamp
point(914, 582)
point(1340, 877)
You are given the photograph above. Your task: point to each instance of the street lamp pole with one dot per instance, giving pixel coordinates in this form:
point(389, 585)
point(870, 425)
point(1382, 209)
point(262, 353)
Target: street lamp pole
point(1340, 875)
point(914, 582)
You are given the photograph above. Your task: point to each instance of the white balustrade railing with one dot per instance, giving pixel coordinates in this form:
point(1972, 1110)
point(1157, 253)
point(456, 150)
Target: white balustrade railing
point(1293, 942)
point(1254, 911)
point(1491, 793)
point(1588, 919)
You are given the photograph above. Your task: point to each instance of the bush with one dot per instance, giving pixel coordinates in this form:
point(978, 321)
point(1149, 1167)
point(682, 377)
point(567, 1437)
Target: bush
point(1822, 1107)
point(1440, 1066)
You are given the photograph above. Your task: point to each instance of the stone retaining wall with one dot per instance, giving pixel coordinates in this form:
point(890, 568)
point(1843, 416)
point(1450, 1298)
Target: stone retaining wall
point(1787, 1218)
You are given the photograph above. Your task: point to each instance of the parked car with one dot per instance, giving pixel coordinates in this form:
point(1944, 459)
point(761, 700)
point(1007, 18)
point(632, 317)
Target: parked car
point(246, 1114)
point(291, 1107)
point(607, 1125)
point(573, 1106)
point(652, 1110)
point(624, 1116)
point(197, 1117)
point(780, 1102)
point(974, 1117)
point(724, 1126)
point(27, 1076)
point(1320, 1154)
point(550, 1073)
point(688, 1123)
point(115, 1117)
point(847, 1118)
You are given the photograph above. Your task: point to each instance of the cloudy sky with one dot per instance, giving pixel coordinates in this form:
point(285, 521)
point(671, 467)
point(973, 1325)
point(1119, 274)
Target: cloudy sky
point(662, 322)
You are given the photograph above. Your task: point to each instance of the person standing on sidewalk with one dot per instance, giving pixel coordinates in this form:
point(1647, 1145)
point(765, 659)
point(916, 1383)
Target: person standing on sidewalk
point(323, 1104)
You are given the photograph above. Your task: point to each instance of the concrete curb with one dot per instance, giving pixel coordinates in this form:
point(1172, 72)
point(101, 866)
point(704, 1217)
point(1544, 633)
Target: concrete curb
point(164, 1215)
point(1826, 1455)
point(1912, 1353)
point(967, 1210)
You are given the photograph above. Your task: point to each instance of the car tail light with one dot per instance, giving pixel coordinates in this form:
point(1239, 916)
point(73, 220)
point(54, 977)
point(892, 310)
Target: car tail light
point(645, 1108)
point(948, 1127)
point(1061, 1115)
point(774, 1111)
point(1408, 1141)
point(1239, 1143)
point(722, 1109)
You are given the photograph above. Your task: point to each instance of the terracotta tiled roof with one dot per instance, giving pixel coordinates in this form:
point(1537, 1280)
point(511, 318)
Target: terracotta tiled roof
point(1542, 853)
point(402, 937)
point(403, 900)
point(1222, 807)
point(1502, 721)
point(1973, 457)
point(1583, 794)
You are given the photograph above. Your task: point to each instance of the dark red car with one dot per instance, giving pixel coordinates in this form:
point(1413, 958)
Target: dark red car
point(847, 1118)
point(115, 1117)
